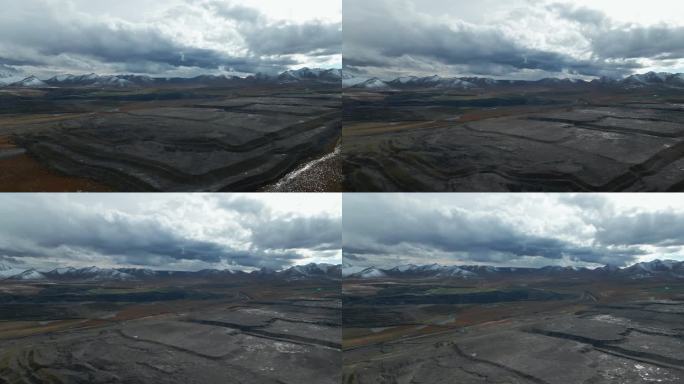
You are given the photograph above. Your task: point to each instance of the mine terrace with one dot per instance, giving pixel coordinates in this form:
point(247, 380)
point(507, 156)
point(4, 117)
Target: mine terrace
point(548, 135)
point(204, 134)
point(529, 328)
point(180, 328)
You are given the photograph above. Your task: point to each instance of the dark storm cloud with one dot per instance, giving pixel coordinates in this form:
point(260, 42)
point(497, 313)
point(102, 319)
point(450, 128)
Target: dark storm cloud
point(624, 229)
point(32, 230)
point(353, 255)
point(114, 43)
point(42, 34)
point(50, 35)
point(611, 40)
point(657, 42)
point(459, 44)
point(321, 233)
point(284, 233)
point(260, 259)
point(313, 38)
point(468, 235)
point(59, 231)
point(392, 36)
point(10, 260)
point(9, 62)
point(264, 38)
point(652, 228)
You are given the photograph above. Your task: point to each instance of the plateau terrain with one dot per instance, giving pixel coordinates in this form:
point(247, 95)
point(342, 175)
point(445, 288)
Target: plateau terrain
point(139, 133)
point(479, 324)
point(436, 134)
point(98, 325)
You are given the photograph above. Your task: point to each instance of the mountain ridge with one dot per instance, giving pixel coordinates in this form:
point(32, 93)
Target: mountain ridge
point(641, 270)
point(648, 79)
point(129, 80)
point(311, 270)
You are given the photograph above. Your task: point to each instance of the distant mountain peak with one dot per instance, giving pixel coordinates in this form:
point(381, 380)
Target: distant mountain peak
point(437, 81)
point(30, 82)
point(373, 83)
point(30, 274)
point(317, 74)
point(128, 80)
point(657, 268)
point(94, 273)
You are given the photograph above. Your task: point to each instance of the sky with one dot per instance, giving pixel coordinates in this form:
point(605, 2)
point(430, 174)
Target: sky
point(519, 230)
point(512, 39)
point(168, 38)
point(186, 232)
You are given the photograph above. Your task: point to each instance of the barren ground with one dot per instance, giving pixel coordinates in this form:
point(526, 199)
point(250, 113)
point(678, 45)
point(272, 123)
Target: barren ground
point(593, 332)
point(168, 139)
point(184, 332)
point(517, 140)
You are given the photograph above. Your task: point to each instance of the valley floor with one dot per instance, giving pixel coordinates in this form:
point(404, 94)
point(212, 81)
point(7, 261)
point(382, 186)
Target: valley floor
point(250, 335)
point(591, 338)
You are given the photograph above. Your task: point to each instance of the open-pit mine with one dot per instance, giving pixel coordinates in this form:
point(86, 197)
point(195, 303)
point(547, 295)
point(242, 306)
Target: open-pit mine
point(235, 136)
point(173, 329)
point(527, 329)
point(531, 137)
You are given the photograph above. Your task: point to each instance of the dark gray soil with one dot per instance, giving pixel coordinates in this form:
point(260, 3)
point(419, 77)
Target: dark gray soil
point(634, 342)
point(282, 342)
point(600, 146)
point(229, 140)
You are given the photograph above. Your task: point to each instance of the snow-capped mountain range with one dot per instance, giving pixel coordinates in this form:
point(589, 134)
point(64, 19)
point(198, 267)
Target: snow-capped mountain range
point(297, 272)
point(126, 81)
point(316, 74)
point(643, 270)
point(649, 79)
point(30, 82)
point(373, 83)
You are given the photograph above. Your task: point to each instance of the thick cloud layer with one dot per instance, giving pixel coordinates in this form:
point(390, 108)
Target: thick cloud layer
point(516, 39)
point(265, 38)
point(163, 232)
point(169, 38)
point(514, 230)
